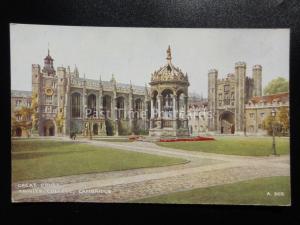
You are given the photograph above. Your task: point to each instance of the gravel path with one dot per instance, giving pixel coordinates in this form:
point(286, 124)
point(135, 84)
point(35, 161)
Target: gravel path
point(202, 170)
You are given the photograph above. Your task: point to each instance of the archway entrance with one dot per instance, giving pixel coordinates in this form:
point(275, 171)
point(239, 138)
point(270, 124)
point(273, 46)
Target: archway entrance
point(19, 132)
point(95, 129)
point(49, 128)
point(227, 123)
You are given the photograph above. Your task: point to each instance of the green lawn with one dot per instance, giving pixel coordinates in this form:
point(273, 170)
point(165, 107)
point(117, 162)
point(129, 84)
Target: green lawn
point(35, 159)
point(245, 146)
point(266, 191)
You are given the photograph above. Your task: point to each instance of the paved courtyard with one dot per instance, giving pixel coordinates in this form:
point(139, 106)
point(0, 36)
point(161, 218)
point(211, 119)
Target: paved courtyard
point(202, 170)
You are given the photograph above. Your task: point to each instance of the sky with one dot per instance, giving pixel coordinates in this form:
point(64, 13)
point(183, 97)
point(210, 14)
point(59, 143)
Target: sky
point(134, 53)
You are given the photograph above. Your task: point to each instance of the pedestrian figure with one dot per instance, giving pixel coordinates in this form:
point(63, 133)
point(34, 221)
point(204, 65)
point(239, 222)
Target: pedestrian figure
point(72, 136)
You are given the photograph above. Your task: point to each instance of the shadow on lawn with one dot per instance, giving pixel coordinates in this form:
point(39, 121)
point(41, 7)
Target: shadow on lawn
point(32, 155)
point(19, 146)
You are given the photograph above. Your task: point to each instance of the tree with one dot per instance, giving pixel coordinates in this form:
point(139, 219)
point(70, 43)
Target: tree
point(25, 119)
point(280, 84)
point(269, 122)
point(59, 119)
point(283, 117)
point(34, 111)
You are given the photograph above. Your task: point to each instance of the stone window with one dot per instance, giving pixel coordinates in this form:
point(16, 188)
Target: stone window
point(226, 88)
point(18, 117)
point(18, 102)
point(91, 105)
point(120, 108)
point(75, 104)
point(262, 115)
point(251, 115)
point(48, 99)
point(232, 95)
point(138, 107)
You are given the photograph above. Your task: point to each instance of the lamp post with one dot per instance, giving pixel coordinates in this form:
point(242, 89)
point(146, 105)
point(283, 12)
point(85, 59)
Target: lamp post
point(273, 114)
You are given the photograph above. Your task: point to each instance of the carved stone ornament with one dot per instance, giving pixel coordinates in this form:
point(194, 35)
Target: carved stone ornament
point(48, 91)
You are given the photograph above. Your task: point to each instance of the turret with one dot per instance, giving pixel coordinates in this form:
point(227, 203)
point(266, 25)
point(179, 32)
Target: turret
point(240, 73)
point(257, 79)
point(212, 98)
point(36, 77)
point(76, 73)
point(48, 65)
point(61, 91)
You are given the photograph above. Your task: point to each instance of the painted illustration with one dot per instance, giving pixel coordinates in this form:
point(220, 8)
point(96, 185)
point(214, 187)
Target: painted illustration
point(150, 115)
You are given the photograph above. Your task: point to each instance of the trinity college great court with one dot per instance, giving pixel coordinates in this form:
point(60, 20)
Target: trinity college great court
point(63, 101)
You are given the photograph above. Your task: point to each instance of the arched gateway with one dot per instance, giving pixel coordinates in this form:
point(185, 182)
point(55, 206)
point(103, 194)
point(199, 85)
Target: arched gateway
point(227, 123)
point(169, 95)
point(48, 128)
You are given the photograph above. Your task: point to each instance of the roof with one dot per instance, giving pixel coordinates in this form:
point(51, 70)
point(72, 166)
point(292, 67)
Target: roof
point(21, 94)
point(109, 84)
point(169, 72)
point(282, 97)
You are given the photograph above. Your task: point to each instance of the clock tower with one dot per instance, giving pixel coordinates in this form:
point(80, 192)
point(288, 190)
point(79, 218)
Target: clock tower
point(45, 90)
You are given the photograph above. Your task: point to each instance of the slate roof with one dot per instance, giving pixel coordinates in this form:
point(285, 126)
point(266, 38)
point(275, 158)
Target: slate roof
point(281, 97)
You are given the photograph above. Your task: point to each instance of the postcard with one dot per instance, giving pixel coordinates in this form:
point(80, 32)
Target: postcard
point(150, 115)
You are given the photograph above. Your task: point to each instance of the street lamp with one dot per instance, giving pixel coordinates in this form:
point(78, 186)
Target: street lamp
point(273, 114)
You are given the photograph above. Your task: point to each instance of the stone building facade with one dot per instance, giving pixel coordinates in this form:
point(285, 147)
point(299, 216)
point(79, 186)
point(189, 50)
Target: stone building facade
point(259, 107)
point(85, 105)
point(198, 116)
point(68, 103)
point(227, 98)
point(19, 100)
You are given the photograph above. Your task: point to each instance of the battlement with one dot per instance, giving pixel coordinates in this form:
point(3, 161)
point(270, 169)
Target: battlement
point(212, 71)
point(257, 67)
point(61, 68)
point(36, 66)
point(240, 64)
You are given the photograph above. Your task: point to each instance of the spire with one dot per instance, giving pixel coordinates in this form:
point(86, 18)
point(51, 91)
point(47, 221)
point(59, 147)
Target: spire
point(113, 79)
point(48, 50)
point(169, 56)
point(100, 80)
point(76, 73)
point(130, 85)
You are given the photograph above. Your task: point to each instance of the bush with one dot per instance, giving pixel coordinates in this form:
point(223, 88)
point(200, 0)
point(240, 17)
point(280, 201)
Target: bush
point(109, 127)
point(123, 128)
